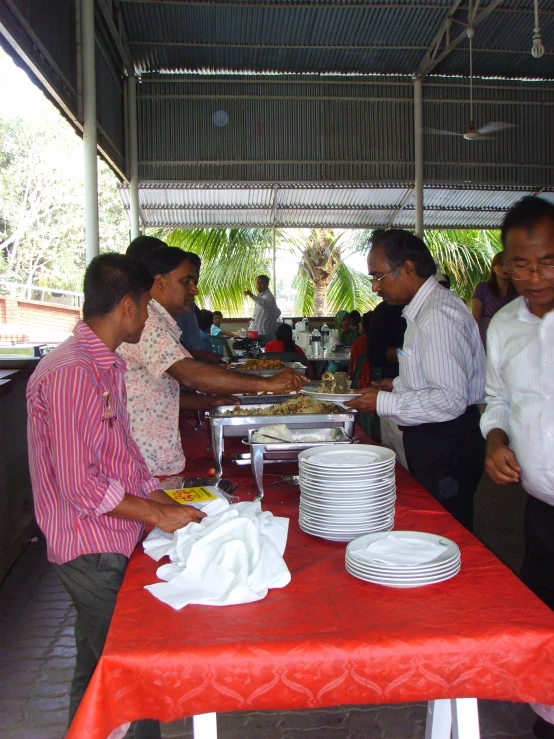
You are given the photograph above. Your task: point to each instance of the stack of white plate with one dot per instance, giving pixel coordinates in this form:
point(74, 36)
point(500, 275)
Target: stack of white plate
point(346, 491)
point(403, 559)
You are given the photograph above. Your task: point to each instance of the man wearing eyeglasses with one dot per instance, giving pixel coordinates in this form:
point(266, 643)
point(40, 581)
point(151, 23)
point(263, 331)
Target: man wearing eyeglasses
point(442, 374)
point(519, 420)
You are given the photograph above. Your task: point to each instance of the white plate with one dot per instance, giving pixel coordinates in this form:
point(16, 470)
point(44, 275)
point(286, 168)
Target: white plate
point(450, 548)
point(330, 397)
point(332, 520)
point(340, 536)
point(343, 486)
point(406, 574)
point(385, 473)
point(322, 508)
point(360, 527)
point(400, 584)
point(365, 455)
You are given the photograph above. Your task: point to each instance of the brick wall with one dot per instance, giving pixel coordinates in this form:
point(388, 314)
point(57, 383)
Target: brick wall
point(37, 315)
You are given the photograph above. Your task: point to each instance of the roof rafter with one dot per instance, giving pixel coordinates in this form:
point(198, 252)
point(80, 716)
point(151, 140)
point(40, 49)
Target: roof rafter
point(432, 58)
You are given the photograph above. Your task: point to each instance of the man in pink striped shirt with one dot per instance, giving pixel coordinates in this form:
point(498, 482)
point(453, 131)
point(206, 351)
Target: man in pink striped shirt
point(91, 486)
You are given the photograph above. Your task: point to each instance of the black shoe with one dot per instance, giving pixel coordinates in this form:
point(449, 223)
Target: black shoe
point(542, 729)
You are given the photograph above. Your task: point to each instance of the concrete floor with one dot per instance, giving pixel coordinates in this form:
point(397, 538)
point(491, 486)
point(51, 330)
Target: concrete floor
point(37, 655)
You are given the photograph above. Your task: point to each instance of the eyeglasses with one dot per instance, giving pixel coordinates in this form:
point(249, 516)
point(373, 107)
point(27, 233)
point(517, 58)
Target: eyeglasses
point(544, 271)
point(378, 279)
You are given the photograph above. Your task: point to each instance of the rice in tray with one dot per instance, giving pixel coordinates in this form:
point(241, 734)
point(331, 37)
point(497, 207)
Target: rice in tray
point(298, 404)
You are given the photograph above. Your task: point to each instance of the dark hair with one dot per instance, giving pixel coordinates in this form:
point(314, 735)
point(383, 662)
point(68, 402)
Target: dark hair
point(263, 277)
point(163, 261)
point(526, 214)
point(284, 334)
point(355, 316)
point(143, 245)
point(218, 313)
point(205, 320)
point(111, 277)
point(445, 282)
point(366, 320)
point(399, 246)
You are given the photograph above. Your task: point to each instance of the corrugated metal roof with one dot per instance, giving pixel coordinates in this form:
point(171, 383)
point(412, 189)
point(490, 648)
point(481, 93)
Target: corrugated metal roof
point(329, 36)
point(195, 205)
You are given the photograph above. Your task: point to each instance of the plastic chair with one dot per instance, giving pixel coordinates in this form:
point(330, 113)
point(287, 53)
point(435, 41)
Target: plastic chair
point(221, 345)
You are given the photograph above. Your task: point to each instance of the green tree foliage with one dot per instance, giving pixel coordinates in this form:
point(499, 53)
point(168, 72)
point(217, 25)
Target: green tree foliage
point(42, 232)
point(463, 255)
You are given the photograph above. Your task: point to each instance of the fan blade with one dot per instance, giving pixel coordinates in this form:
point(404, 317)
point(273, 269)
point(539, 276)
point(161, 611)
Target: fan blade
point(441, 132)
point(494, 126)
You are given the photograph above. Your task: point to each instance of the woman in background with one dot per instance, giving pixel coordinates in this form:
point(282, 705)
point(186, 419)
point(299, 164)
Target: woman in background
point(490, 296)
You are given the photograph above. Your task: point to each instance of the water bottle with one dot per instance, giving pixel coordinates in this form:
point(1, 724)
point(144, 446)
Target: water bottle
point(316, 343)
point(324, 336)
point(252, 332)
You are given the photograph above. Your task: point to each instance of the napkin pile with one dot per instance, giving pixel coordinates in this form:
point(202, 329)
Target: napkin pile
point(393, 550)
point(232, 556)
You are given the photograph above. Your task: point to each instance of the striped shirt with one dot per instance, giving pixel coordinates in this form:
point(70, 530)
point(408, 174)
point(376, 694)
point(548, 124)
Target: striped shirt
point(81, 453)
point(442, 361)
point(520, 392)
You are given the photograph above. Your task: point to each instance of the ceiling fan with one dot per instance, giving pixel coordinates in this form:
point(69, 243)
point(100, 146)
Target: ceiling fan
point(472, 133)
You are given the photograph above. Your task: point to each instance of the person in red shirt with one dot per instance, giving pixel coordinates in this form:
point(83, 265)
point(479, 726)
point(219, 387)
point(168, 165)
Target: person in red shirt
point(283, 341)
point(91, 486)
point(359, 349)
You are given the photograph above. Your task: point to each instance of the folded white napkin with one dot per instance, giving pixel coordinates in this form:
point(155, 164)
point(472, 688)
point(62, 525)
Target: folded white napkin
point(395, 550)
point(234, 555)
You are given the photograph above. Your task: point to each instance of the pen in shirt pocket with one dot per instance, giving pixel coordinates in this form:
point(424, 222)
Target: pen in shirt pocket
point(400, 353)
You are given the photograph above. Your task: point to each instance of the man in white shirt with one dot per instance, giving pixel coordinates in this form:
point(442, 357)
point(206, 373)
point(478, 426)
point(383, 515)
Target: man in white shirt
point(442, 374)
point(266, 311)
point(518, 422)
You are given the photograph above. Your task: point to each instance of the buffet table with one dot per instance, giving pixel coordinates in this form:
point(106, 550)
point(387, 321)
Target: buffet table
point(327, 638)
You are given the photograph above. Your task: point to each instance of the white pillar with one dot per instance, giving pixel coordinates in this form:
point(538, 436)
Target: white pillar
point(133, 156)
point(418, 147)
point(89, 127)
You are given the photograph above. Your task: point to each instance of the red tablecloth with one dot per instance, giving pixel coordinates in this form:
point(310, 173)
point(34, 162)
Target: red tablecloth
point(327, 638)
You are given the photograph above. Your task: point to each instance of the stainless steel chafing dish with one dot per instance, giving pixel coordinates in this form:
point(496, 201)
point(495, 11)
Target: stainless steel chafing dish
point(286, 451)
point(224, 426)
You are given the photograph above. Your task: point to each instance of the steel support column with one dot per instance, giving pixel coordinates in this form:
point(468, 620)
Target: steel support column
point(133, 156)
point(418, 148)
point(89, 128)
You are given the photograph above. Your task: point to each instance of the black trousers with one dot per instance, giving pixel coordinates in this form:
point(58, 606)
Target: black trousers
point(93, 582)
point(537, 570)
point(448, 460)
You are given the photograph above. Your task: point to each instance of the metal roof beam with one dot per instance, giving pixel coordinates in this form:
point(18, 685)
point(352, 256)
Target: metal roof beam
point(119, 42)
point(429, 62)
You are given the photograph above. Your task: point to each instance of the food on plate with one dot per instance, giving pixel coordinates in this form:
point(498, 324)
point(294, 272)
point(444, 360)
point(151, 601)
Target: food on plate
point(298, 404)
point(334, 382)
point(259, 364)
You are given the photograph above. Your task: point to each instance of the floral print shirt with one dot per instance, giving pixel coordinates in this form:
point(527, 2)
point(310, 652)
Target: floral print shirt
point(152, 394)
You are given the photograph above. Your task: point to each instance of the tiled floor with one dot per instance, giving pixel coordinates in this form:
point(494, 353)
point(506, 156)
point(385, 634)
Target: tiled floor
point(37, 657)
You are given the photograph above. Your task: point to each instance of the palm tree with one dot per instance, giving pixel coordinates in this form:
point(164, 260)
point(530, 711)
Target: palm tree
point(464, 256)
point(325, 283)
point(233, 258)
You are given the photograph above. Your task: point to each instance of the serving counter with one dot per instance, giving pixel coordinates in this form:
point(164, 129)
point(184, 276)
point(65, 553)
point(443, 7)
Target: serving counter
point(327, 638)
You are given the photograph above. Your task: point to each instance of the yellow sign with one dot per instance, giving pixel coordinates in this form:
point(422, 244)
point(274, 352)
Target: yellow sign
point(190, 495)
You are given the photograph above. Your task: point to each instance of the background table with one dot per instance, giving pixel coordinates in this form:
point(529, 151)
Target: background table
point(327, 638)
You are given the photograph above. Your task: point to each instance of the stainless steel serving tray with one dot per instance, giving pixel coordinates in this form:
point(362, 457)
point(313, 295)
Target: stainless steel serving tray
point(227, 426)
point(268, 452)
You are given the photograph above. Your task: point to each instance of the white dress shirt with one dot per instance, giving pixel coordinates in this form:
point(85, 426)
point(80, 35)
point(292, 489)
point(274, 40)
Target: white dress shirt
point(442, 361)
point(520, 392)
point(266, 313)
